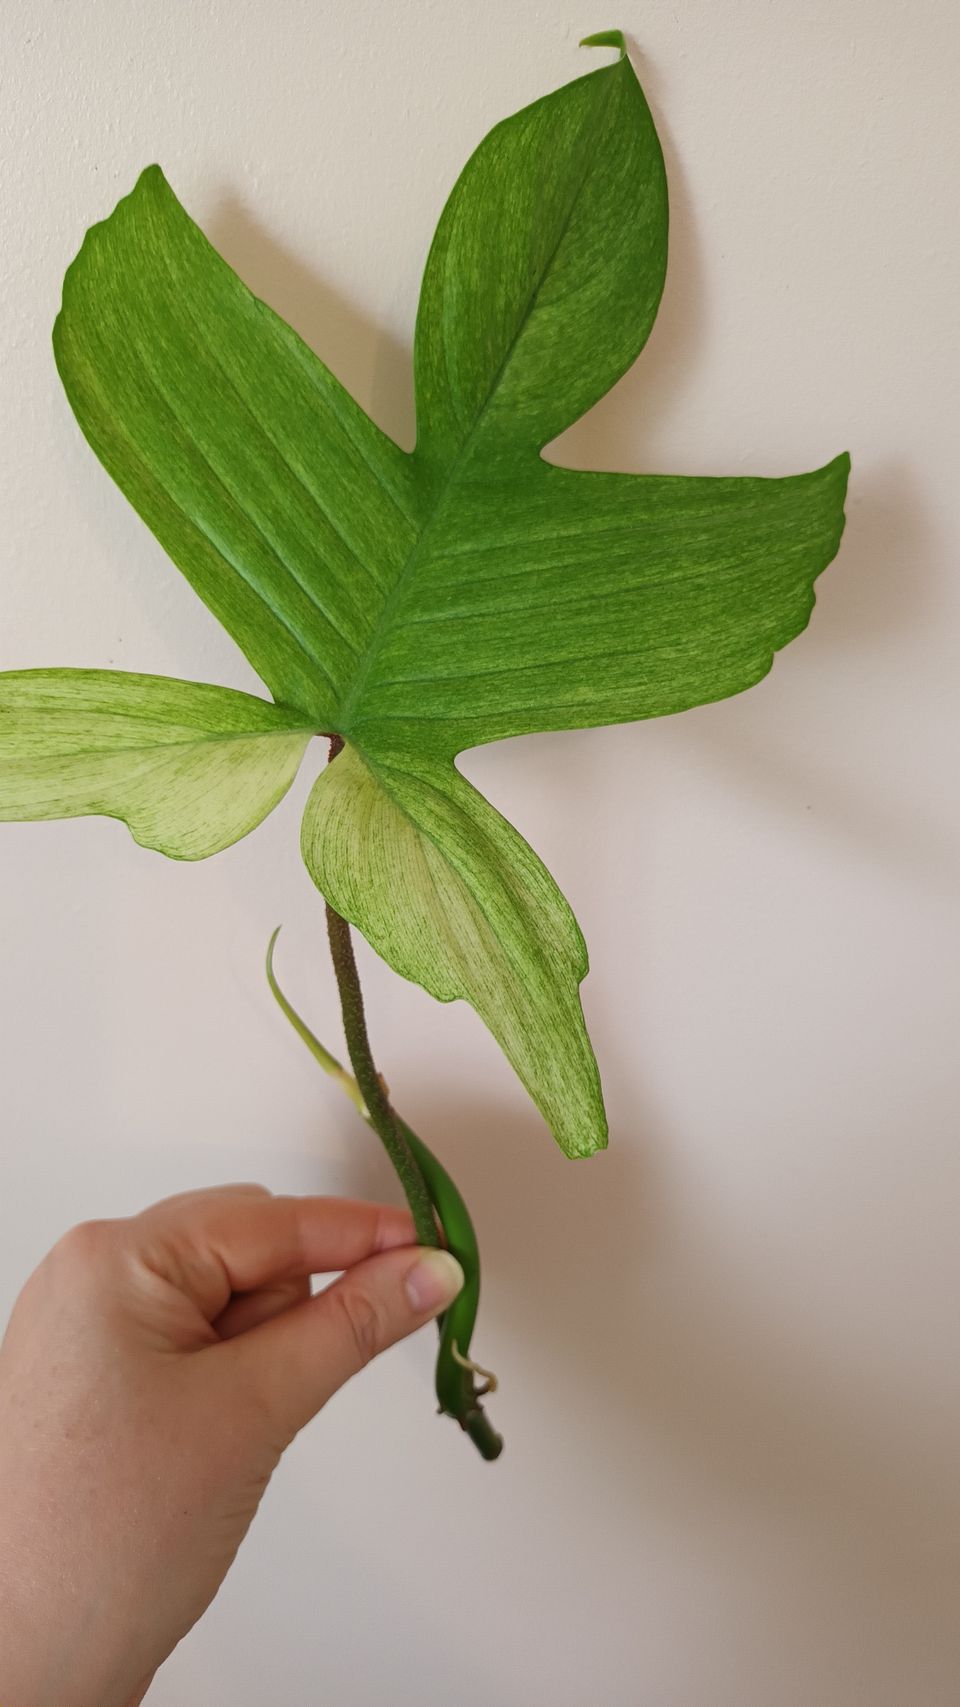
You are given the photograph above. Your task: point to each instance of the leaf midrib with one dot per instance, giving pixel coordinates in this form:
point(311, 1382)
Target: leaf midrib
point(160, 747)
point(447, 487)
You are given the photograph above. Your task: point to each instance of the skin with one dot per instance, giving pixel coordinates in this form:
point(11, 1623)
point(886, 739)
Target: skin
point(153, 1372)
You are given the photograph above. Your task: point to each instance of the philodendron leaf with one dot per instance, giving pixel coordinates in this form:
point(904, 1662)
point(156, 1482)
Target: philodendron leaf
point(190, 768)
point(480, 916)
point(417, 604)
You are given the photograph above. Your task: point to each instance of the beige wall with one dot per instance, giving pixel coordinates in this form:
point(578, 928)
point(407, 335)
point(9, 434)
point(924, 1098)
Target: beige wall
point(728, 1347)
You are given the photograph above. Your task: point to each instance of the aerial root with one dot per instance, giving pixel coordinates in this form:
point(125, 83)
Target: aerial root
point(489, 1379)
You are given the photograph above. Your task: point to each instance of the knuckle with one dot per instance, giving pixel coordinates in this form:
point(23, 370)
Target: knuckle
point(363, 1320)
point(83, 1246)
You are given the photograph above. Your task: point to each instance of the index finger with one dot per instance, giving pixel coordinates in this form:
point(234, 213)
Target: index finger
point(217, 1243)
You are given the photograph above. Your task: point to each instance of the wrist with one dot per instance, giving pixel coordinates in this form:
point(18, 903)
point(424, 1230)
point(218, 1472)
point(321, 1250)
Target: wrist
point(137, 1697)
point(50, 1655)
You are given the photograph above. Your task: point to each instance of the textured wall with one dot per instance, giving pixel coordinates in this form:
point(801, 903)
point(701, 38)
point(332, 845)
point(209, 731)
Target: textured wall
point(730, 1379)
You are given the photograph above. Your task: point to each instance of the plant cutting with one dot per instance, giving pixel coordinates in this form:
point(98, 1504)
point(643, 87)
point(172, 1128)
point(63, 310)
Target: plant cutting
point(404, 606)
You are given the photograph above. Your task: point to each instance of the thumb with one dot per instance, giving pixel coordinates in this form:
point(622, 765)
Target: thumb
point(297, 1361)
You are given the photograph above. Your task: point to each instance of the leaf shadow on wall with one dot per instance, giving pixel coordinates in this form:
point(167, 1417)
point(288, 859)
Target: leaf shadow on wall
point(375, 367)
point(663, 1350)
point(879, 588)
point(876, 598)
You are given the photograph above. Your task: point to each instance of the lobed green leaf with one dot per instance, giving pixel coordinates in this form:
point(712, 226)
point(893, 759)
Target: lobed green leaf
point(188, 767)
point(419, 604)
point(454, 899)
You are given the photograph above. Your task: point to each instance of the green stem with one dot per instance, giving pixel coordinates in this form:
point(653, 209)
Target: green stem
point(383, 1118)
point(456, 1391)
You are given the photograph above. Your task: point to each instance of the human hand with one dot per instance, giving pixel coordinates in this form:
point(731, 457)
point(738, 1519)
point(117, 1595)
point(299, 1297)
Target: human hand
point(153, 1371)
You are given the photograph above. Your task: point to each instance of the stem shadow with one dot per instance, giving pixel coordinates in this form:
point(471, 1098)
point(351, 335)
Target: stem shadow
point(621, 1309)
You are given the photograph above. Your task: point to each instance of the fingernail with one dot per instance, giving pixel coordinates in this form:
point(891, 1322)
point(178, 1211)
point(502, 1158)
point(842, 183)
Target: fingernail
point(434, 1281)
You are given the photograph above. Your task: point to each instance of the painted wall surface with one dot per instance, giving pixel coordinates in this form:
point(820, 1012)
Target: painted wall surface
point(728, 1346)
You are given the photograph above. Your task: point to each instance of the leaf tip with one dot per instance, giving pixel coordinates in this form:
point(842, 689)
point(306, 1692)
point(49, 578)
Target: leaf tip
point(150, 180)
point(271, 945)
point(580, 1141)
point(606, 38)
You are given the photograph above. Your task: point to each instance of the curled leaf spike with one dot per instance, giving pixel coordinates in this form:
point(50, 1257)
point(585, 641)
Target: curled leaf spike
point(606, 38)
